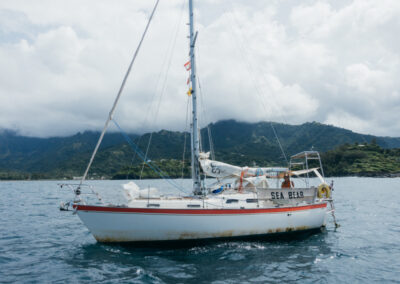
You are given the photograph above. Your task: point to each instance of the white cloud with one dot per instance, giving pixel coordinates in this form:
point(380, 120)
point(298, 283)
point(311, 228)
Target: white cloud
point(367, 81)
point(348, 121)
point(331, 61)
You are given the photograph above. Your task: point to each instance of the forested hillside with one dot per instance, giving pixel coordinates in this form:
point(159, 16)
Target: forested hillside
point(234, 142)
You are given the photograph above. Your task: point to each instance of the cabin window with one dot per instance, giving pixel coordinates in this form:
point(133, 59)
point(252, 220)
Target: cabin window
point(153, 205)
point(251, 200)
point(232, 201)
point(193, 205)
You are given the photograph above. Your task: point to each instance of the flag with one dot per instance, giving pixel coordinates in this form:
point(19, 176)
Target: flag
point(187, 66)
point(189, 92)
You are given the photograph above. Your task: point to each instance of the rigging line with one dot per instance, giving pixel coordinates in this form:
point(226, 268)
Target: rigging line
point(251, 73)
point(202, 118)
point(184, 135)
point(155, 92)
point(145, 121)
point(141, 155)
point(133, 159)
point(200, 139)
point(164, 85)
point(130, 167)
point(210, 142)
point(110, 115)
point(261, 98)
point(279, 142)
point(252, 69)
point(145, 156)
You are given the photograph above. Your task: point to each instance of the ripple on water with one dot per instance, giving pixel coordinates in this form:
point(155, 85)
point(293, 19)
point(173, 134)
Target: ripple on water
point(40, 244)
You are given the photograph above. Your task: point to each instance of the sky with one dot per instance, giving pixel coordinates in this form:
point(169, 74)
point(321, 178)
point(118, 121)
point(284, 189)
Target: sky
point(334, 62)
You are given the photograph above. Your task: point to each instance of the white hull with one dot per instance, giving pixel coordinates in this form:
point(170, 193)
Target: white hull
point(122, 224)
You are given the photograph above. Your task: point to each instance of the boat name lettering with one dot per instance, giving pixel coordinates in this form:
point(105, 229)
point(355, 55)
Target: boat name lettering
point(295, 194)
point(277, 195)
point(215, 169)
point(291, 194)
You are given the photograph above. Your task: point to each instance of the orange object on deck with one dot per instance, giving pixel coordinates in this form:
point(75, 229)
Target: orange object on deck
point(287, 183)
point(241, 179)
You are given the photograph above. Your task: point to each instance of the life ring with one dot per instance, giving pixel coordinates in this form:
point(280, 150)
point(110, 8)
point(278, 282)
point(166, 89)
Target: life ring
point(324, 191)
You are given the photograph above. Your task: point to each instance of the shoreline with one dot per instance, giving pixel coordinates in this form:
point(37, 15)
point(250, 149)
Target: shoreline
point(371, 175)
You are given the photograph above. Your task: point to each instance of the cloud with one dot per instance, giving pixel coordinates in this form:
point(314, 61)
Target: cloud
point(334, 62)
point(367, 81)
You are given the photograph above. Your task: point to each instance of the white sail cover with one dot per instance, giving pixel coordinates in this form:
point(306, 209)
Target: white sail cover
point(132, 191)
point(222, 170)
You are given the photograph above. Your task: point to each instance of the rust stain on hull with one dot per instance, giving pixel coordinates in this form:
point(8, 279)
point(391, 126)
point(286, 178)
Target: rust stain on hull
point(199, 236)
point(193, 236)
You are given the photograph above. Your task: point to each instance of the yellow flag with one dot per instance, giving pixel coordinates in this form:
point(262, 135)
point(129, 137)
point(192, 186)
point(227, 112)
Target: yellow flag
point(189, 92)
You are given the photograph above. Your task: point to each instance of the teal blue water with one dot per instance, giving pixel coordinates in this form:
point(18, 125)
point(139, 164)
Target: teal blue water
point(40, 244)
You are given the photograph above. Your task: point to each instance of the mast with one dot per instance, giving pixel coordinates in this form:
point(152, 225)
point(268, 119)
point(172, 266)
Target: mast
point(195, 132)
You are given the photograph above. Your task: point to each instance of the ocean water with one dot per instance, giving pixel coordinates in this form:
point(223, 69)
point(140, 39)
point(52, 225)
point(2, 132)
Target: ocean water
point(40, 244)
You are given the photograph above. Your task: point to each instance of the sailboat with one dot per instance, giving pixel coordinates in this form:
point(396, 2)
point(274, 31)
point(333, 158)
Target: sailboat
point(242, 202)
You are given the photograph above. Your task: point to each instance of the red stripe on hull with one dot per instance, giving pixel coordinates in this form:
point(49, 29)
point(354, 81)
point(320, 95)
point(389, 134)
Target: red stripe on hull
point(196, 211)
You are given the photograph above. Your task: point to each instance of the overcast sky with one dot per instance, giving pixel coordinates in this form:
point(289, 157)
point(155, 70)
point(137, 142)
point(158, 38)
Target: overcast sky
point(335, 62)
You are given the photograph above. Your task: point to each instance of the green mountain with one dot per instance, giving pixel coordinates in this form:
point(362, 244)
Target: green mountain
point(362, 160)
point(234, 142)
point(21, 154)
